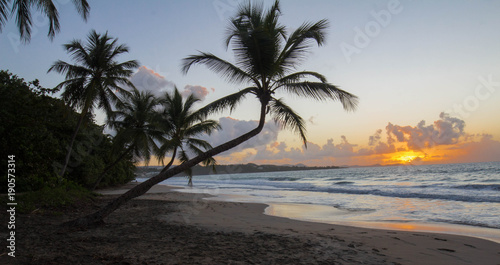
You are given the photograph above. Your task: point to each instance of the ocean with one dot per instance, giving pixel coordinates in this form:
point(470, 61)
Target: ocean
point(451, 198)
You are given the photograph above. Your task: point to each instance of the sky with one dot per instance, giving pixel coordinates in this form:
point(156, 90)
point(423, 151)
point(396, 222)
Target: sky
point(427, 74)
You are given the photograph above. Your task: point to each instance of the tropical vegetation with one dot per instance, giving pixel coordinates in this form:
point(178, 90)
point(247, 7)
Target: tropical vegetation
point(96, 78)
point(138, 128)
point(183, 127)
point(36, 128)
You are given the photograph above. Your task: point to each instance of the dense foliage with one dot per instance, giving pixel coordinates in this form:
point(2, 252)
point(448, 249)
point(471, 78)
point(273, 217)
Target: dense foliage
point(37, 129)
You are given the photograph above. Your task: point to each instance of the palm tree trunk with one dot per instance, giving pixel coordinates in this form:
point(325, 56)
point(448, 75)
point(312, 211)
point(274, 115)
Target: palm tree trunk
point(169, 163)
point(101, 176)
point(97, 218)
point(70, 150)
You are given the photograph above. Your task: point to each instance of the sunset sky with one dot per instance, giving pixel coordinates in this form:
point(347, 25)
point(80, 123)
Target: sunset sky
point(427, 74)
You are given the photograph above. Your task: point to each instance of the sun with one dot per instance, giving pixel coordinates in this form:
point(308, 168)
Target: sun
point(406, 156)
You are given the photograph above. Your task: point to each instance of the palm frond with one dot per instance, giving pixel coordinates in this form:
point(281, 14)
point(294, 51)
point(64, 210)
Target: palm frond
point(322, 91)
point(299, 42)
point(23, 18)
point(82, 7)
point(209, 161)
point(48, 8)
point(3, 13)
point(227, 70)
point(183, 156)
point(166, 146)
point(203, 127)
point(288, 119)
point(198, 143)
point(256, 39)
point(227, 102)
point(298, 76)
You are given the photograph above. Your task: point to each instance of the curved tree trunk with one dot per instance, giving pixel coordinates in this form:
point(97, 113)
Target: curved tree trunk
point(70, 150)
point(98, 217)
point(169, 163)
point(111, 166)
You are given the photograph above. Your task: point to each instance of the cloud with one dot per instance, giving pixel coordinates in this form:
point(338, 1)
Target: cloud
point(233, 128)
point(146, 79)
point(374, 139)
point(197, 91)
point(443, 141)
point(445, 131)
point(486, 149)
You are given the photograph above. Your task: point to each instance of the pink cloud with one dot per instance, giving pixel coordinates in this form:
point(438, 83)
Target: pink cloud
point(197, 91)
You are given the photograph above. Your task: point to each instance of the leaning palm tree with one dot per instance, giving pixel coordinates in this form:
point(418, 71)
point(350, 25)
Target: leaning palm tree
point(266, 57)
point(184, 127)
point(95, 78)
point(23, 8)
point(138, 126)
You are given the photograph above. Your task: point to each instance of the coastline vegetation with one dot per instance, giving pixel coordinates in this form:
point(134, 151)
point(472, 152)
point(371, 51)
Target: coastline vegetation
point(37, 128)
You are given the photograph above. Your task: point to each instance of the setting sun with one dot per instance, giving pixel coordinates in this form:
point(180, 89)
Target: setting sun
point(406, 156)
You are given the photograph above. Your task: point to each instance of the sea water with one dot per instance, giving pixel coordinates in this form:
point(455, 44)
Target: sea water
point(463, 194)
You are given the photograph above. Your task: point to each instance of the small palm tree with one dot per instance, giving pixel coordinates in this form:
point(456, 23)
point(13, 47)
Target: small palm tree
point(95, 78)
point(265, 59)
point(183, 127)
point(22, 10)
point(138, 127)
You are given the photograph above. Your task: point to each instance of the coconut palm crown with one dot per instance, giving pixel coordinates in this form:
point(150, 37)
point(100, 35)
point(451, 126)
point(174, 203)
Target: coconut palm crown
point(266, 57)
point(138, 128)
point(184, 128)
point(138, 123)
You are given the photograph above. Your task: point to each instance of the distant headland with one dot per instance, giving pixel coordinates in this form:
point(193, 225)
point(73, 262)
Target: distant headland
point(236, 169)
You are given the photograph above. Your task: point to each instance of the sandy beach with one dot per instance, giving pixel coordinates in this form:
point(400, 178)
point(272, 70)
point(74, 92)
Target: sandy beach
point(167, 227)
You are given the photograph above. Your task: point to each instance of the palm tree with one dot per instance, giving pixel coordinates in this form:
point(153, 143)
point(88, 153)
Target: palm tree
point(23, 8)
point(95, 78)
point(265, 59)
point(138, 127)
point(184, 125)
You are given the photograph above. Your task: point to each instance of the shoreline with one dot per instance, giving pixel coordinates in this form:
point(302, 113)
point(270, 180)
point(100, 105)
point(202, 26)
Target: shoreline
point(406, 247)
point(320, 213)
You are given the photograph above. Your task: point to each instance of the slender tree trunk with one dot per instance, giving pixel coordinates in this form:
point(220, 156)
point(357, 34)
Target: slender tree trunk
point(101, 176)
point(98, 217)
point(70, 150)
point(169, 163)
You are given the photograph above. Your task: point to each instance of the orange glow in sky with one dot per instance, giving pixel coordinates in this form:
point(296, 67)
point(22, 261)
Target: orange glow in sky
point(406, 156)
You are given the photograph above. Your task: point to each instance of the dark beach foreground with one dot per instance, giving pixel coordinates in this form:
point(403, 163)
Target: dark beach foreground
point(165, 227)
